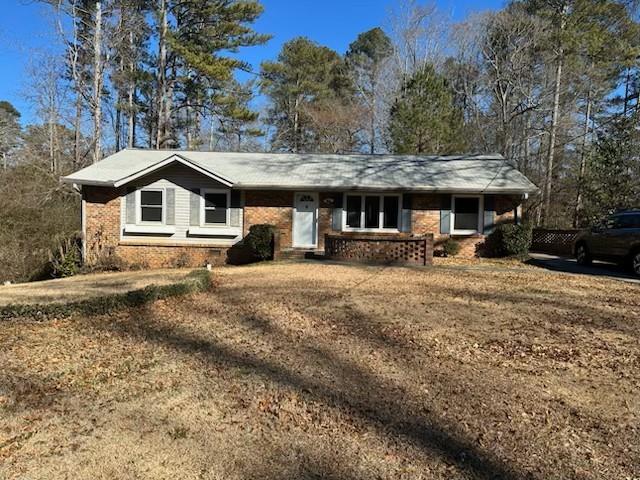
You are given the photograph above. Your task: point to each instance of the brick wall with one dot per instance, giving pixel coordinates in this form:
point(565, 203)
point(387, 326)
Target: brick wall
point(425, 219)
point(325, 216)
point(272, 207)
point(425, 215)
point(102, 214)
point(102, 217)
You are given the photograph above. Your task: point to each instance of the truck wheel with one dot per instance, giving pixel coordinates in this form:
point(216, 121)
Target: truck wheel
point(582, 254)
point(635, 262)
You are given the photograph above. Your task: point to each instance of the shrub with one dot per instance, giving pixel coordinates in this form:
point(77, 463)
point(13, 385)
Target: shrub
point(66, 257)
point(509, 240)
point(260, 241)
point(450, 248)
point(196, 281)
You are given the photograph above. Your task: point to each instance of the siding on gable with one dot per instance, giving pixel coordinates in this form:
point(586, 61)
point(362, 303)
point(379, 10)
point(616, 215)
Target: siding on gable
point(183, 180)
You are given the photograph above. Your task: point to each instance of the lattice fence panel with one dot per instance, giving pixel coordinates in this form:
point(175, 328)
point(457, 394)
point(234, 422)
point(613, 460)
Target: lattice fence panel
point(386, 250)
point(559, 242)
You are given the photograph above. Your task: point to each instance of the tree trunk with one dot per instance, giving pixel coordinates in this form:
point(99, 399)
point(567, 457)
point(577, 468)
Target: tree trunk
point(626, 92)
point(211, 134)
point(583, 161)
point(188, 127)
point(296, 125)
point(131, 117)
point(52, 146)
point(162, 75)
point(77, 123)
point(548, 183)
point(118, 125)
point(97, 85)
point(372, 150)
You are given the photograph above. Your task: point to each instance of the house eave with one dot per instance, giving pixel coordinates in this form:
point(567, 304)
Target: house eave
point(389, 188)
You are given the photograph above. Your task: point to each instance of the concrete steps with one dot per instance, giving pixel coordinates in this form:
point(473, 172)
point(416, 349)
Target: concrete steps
point(299, 253)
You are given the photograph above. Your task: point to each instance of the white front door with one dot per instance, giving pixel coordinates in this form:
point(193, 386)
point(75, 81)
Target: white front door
point(305, 220)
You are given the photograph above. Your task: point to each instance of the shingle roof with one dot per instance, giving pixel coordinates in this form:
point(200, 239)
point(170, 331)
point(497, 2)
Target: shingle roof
point(472, 173)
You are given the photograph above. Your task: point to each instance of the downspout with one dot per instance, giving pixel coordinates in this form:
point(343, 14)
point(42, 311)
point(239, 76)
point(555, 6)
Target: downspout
point(83, 223)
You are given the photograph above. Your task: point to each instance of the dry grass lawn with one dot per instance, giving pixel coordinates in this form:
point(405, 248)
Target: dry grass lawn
point(82, 287)
point(307, 371)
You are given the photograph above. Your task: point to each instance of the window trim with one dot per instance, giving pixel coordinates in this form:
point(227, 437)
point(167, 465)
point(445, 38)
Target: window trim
point(203, 192)
point(139, 205)
point(480, 215)
point(381, 228)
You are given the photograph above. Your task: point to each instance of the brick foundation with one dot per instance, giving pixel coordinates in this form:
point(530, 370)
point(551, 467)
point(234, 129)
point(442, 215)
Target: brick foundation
point(170, 256)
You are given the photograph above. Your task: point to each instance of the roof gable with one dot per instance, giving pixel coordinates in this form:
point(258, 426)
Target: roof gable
point(175, 158)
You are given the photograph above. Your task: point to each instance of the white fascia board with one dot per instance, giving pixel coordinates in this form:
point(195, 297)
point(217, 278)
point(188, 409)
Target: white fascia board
point(167, 161)
point(80, 181)
point(394, 188)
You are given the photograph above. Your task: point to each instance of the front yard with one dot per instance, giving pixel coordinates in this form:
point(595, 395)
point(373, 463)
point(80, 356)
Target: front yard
point(310, 370)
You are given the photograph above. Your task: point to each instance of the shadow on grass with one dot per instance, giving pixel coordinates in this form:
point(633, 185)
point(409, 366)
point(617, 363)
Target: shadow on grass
point(344, 386)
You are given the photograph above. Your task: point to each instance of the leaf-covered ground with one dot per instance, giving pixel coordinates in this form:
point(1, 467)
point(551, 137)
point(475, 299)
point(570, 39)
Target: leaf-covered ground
point(314, 370)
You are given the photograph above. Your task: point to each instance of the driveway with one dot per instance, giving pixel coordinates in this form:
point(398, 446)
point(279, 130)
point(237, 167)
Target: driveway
point(569, 265)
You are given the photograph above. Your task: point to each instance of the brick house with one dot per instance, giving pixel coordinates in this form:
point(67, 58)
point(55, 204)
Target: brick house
point(164, 208)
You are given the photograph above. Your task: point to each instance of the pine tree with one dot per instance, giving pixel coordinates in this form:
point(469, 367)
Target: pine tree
point(304, 75)
point(129, 38)
point(613, 179)
point(236, 121)
point(424, 119)
point(195, 38)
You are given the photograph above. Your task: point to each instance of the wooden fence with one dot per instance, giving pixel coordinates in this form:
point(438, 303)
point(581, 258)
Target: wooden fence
point(555, 242)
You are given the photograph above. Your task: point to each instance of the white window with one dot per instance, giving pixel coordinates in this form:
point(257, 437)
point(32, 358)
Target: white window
point(369, 212)
point(466, 214)
point(215, 208)
point(152, 205)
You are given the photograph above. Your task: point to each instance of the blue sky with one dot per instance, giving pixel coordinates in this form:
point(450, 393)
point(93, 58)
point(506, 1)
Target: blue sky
point(27, 29)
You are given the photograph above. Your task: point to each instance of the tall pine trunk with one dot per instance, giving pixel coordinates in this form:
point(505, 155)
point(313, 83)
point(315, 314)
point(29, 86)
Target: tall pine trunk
point(548, 182)
point(131, 117)
point(131, 92)
point(77, 122)
point(162, 105)
point(97, 85)
point(583, 159)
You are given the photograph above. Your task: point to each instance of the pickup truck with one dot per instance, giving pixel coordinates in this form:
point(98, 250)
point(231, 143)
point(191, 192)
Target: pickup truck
point(616, 239)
